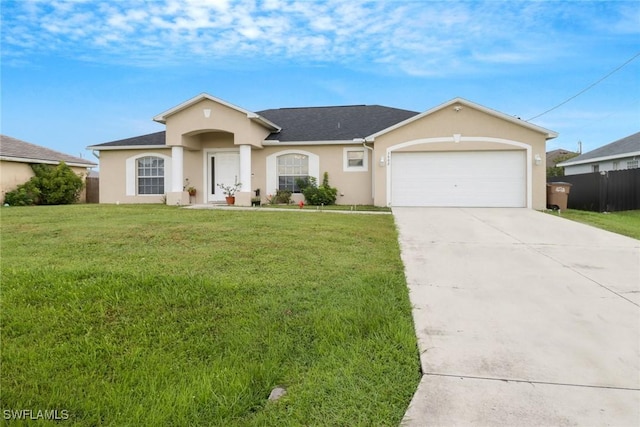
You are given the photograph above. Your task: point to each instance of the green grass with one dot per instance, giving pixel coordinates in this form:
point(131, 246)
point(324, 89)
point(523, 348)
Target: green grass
point(626, 223)
point(358, 208)
point(154, 315)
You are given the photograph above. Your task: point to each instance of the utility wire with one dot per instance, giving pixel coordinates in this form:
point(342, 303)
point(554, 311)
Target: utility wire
point(585, 89)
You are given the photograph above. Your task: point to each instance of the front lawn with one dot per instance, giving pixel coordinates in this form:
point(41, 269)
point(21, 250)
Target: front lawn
point(626, 223)
point(155, 315)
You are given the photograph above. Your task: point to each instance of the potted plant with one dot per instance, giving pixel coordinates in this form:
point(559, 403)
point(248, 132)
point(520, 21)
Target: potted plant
point(191, 191)
point(230, 192)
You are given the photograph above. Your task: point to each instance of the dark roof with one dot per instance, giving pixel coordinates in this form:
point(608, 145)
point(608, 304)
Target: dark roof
point(18, 149)
point(332, 123)
point(559, 155)
point(629, 144)
point(157, 138)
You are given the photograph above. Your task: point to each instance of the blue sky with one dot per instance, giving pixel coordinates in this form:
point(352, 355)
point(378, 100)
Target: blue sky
point(77, 73)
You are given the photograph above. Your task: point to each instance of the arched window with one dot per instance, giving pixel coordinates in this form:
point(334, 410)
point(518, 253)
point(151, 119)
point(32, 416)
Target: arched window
point(150, 175)
point(292, 167)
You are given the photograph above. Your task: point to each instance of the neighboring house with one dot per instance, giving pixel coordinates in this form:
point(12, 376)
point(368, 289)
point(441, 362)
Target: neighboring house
point(456, 154)
point(618, 155)
point(16, 158)
point(558, 156)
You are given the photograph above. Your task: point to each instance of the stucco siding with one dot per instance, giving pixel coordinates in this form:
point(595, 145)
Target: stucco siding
point(440, 130)
point(353, 187)
point(113, 177)
point(184, 126)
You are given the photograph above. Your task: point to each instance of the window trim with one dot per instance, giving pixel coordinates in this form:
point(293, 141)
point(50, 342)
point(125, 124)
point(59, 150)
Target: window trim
point(345, 159)
point(272, 167)
point(132, 174)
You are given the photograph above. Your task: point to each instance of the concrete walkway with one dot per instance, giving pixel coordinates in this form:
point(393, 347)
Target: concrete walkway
point(522, 318)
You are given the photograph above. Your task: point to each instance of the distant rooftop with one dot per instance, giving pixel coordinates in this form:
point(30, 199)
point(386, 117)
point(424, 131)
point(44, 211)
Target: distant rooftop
point(13, 149)
point(620, 148)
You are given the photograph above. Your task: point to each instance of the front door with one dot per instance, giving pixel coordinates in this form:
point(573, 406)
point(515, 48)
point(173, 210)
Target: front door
point(223, 167)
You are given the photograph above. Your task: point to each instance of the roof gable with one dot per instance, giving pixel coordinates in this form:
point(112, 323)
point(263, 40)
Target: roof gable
point(162, 117)
point(337, 123)
point(625, 147)
point(463, 102)
point(13, 149)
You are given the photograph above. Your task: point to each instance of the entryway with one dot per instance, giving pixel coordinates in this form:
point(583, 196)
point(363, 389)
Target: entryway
point(223, 167)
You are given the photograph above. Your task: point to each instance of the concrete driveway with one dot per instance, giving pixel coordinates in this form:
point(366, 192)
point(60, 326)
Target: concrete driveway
point(522, 318)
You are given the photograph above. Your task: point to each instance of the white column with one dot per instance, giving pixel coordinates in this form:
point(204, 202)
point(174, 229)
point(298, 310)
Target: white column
point(177, 163)
point(245, 167)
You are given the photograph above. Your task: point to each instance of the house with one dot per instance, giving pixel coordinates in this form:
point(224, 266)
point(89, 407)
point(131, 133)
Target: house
point(618, 155)
point(16, 158)
point(558, 156)
point(456, 154)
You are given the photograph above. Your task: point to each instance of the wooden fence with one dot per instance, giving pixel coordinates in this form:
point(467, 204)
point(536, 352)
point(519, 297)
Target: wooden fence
point(610, 191)
point(92, 189)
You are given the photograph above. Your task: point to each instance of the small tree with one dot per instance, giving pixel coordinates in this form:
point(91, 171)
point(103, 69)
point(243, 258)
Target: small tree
point(318, 195)
point(51, 185)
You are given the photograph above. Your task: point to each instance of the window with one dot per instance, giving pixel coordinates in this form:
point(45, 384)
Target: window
point(632, 164)
point(150, 175)
point(290, 168)
point(615, 166)
point(354, 159)
point(595, 168)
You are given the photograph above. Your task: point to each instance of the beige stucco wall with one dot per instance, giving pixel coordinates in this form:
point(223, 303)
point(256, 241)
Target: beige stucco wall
point(184, 126)
point(353, 187)
point(113, 176)
point(468, 122)
point(12, 174)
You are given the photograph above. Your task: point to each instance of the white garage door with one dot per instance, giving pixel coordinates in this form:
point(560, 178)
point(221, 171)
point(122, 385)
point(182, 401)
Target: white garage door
point(462, 178)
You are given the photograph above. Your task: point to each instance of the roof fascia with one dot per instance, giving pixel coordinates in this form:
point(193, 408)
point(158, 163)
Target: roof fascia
point(549, 133)
point(162, 117)
point(273, 142)
point(600, 159)
point(47, 162)
point(125, 147)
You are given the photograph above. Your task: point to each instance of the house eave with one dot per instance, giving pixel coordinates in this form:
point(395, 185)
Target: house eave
point(599, 159)
point(273, 142)
point(549, 134)
point(125, 147)
point(46, 161)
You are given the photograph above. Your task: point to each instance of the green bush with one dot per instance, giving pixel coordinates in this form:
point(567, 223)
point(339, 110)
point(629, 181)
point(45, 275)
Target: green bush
point(25, 195)
point(51, 185)
point(282, 196)
point(318, 195)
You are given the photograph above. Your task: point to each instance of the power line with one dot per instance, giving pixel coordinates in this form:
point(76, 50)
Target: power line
point(585, 89)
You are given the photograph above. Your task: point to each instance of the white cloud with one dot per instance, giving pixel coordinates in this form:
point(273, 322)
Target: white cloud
point(417, 38)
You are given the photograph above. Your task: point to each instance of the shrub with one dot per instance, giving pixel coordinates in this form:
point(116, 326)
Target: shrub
point(282, 196)
point(51, 185)
point(25, 195)
point(318, 195)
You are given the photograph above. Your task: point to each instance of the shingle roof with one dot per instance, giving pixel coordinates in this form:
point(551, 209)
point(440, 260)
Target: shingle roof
point(619, 148)
point(16, 149)
point(157, 138)
point(555, 156)
point(332, 123)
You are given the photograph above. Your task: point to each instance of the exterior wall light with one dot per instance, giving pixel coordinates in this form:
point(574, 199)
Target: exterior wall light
point(537, 159)
point(381, 161)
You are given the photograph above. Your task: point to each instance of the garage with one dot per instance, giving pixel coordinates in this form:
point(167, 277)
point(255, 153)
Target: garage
point(459, 179)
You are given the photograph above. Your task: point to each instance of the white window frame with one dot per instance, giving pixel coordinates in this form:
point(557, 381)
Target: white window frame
point(272, 167)
point(632, 164)
point(132, 173)
point(345, 159)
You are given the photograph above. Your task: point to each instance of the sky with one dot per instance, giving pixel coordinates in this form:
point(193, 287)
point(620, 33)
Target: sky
point(83, 72)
